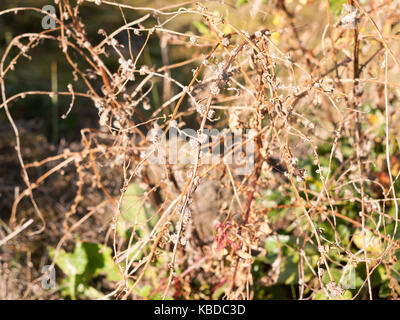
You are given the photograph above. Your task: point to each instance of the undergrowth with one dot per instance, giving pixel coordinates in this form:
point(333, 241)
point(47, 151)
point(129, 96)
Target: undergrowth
point(311, 88)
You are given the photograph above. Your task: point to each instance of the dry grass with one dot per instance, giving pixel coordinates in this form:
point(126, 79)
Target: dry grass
point(319, 94)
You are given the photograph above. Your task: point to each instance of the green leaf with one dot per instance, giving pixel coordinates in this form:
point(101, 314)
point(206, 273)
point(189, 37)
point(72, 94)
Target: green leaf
point(101, 262)
point(239, 3)
point(384, 290)
point(336, 274)
point(320, 295)
point(135, 213)
point(289, 269)
point(159, 296)
point(344, 233)
point(273, 244)
point(71, 263)
point(374, 244)
point(144, 292)
point(201, 27)
point(336, 6)
point(92, 293)
point(67, 287)
point(346, 279)
point(347, 295)
point(218, 293)
point(87, 261)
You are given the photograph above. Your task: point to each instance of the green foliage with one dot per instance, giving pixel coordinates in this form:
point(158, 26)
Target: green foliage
point(201, 28)
point(320, 295)
point(135, 213)
point(336, 6)
point(87, 261)
point(90, 260)
point(373, 243)
point(239, 3)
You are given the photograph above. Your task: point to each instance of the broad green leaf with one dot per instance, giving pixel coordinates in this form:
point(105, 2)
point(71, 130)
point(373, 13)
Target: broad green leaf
point(201, 27)
point(217, 294)
point(71, 263)
point(144, 292)
point(348, 279)
point(159, 296)
point(239, 3)
point(336, 6)
point(321, 295)
point(92, 293)
point(135, 212)
point(87, 261)
point(289, 269)
point(101, 262)
point(384, 290)
point(68, 288)
point(373, 243)
point(272, 244)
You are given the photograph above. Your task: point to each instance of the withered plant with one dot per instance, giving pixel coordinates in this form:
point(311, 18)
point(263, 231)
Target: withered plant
point(313, 85)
